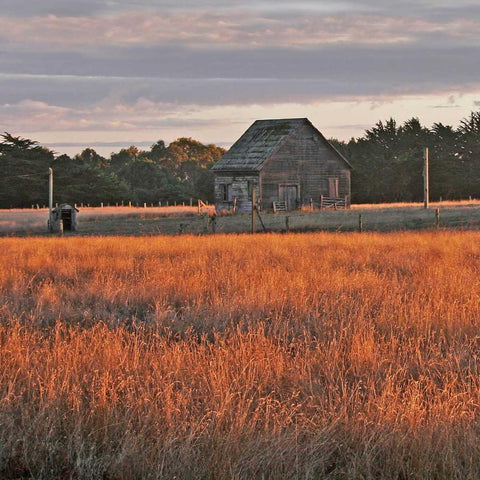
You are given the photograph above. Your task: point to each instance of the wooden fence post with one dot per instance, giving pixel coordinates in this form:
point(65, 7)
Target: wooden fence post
point(360, 223)
point(321, 202)
point(287, 223)
point(253, 210)
point(437, 218)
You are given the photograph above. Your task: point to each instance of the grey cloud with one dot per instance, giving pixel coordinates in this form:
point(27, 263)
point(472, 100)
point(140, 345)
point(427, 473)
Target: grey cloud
point(339, 70)
point(65, 91)
point(29, 8)
point(176, 76)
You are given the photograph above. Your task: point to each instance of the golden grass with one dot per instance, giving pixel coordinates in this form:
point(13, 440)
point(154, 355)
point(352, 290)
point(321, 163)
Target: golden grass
point(441, 204)
point(267, 356)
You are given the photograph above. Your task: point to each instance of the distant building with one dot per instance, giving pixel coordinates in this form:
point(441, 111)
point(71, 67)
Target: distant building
point(287, 161)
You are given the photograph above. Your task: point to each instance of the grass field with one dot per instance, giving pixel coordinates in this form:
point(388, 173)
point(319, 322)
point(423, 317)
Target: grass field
point(174, 220)
point(233, 356)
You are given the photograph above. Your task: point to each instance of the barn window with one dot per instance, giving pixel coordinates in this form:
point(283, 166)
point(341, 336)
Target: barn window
point(226, 192)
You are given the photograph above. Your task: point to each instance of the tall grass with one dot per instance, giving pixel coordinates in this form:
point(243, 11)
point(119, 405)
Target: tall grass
point(267, 356)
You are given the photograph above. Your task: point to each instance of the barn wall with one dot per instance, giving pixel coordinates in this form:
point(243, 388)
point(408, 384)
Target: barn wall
point(305, 160)
point(239, 189)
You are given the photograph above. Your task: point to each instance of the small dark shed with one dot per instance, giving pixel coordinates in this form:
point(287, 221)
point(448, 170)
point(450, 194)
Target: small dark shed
point(64, 218)
point(287, 161)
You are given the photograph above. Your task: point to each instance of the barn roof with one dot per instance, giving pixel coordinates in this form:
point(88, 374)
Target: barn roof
point(260, 142)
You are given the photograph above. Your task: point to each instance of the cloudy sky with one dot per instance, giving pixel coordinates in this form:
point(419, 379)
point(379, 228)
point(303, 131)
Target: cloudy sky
point(111, 73)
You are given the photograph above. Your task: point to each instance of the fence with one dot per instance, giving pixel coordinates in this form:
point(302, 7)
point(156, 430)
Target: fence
point(192, 221)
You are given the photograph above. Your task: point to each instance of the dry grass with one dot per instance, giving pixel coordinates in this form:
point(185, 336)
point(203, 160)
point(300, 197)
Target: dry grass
point(268, 356)
point(174, 220)
point(442, 204)
point(34, 221)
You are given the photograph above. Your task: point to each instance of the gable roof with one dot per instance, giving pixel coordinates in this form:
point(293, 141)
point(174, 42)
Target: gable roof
point(260, 142)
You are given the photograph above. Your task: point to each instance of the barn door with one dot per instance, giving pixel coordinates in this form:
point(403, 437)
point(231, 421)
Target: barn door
point(289, 195)
point(333, 187)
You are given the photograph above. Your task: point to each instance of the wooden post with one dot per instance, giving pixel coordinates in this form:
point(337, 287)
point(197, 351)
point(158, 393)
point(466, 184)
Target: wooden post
point(287, 224)
point(360, 223)
point(437, 218)
point(234, 204)
point(426, 187)
point(253, 210)
point(321, 202)
point(50, 200)
point(257, 211)
point(198, 206)
point(311, 204)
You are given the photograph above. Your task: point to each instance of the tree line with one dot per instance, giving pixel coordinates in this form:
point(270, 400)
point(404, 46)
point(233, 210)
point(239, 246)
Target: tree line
point(388, 161)
point(387, 167)
point(173, 173)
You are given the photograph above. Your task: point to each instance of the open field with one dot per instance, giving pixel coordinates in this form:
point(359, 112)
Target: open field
point(174, 220)
point(235, 356)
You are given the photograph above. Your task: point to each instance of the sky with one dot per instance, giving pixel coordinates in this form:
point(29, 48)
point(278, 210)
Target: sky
point(109, 74)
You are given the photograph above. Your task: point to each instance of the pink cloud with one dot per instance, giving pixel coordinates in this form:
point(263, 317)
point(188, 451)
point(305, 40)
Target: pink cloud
point(221, 29)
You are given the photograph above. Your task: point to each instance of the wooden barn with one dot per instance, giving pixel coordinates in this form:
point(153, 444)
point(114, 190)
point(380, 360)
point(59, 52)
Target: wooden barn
point(287, 162)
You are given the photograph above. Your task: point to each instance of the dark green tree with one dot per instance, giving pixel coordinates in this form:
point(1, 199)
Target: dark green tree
point(23, 172)
point(469, 155)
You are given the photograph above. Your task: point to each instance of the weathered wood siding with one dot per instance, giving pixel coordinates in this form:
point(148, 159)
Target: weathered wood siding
point(305, 160)
point(239, 190)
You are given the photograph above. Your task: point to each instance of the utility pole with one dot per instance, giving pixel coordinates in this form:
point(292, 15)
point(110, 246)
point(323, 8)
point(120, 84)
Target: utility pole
point(426, 186)
point(55, 224)
point(50, 200)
